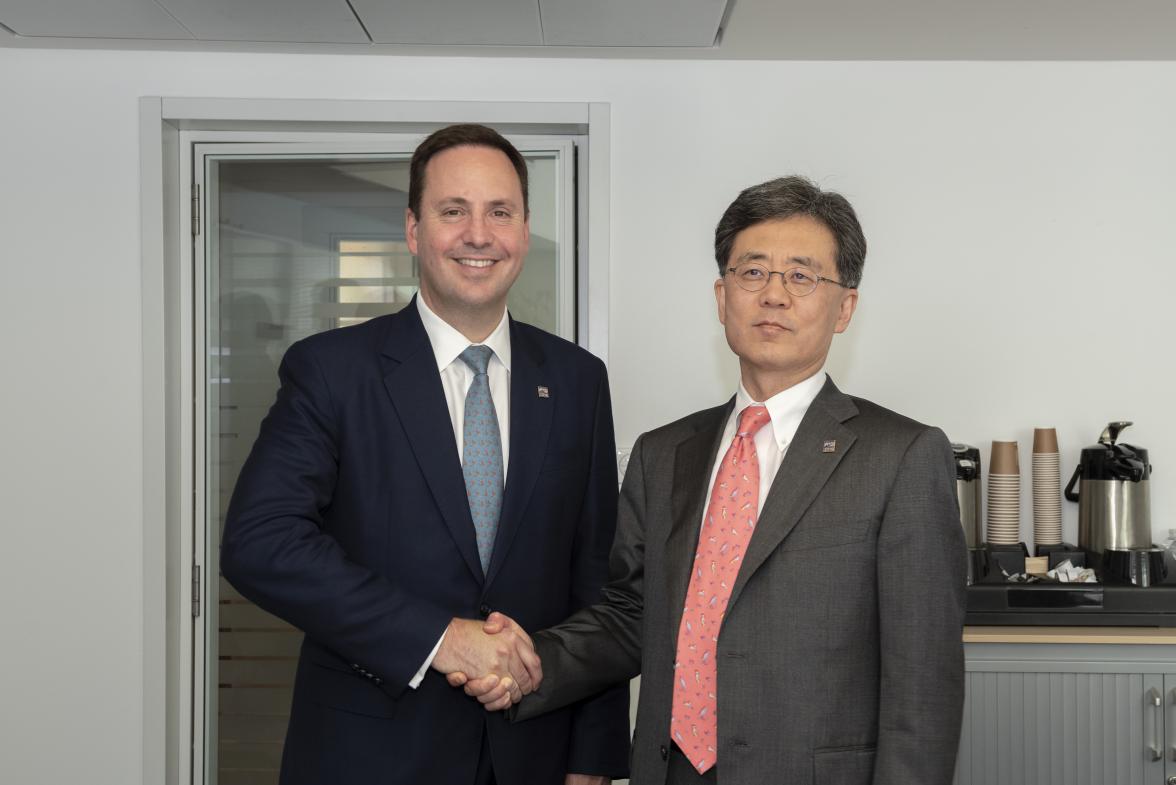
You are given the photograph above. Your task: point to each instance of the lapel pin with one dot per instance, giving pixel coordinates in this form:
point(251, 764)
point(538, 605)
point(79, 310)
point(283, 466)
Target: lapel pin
point(829, 446)
point(543, 392)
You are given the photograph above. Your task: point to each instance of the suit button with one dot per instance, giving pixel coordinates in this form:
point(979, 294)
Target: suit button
point(484, 610)
point(665, 753)
point(378, 681)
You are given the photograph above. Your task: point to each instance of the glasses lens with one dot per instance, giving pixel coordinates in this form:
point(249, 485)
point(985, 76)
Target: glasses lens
point(751, 277)
point(799, 281)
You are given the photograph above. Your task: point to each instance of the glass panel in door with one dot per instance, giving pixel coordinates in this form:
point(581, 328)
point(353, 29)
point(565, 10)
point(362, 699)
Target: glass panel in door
point(295, 245)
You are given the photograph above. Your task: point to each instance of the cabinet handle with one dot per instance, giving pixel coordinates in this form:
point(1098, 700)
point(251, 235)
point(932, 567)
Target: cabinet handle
point(1157, 704)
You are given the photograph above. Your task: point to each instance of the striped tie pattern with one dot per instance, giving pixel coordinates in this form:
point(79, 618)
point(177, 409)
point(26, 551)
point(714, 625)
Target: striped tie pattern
point(482, 453)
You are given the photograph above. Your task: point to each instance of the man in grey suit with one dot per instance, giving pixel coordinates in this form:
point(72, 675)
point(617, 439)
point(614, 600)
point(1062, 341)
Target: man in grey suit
point(819, 530)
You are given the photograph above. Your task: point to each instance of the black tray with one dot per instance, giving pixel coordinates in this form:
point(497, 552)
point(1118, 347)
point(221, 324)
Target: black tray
point(1071, 604)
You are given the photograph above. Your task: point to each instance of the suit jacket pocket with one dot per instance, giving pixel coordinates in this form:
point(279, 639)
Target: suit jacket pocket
point(843, 765)
point(825, 534)
point(331, 686)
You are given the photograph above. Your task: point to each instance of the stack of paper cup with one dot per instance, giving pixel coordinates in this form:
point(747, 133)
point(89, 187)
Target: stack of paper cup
point(1004, 495)
point(1047, 489)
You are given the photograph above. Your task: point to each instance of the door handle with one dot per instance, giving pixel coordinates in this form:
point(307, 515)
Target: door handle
point(1157, 704)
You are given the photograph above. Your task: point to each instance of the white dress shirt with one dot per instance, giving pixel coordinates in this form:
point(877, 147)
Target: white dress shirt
point(786, 408)
point(456, 377)
point(448, 344)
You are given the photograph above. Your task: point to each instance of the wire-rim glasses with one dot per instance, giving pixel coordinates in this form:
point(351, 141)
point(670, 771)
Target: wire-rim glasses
point(799, 281)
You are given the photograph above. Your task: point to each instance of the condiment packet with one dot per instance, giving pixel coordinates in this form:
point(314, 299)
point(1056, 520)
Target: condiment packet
point(1066, 572)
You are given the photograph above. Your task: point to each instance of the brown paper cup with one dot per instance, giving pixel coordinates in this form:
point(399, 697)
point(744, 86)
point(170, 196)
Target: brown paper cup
point(1004, 459)
point(1045, 440)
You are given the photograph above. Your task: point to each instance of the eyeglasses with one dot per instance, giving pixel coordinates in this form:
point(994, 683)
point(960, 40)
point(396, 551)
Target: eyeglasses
point(798, 281)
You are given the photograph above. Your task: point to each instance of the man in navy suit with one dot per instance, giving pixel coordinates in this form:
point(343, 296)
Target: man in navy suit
point(399, 491)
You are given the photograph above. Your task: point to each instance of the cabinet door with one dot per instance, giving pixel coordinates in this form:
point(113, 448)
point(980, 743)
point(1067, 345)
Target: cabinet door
point(1060, 729)
point(1169, 738)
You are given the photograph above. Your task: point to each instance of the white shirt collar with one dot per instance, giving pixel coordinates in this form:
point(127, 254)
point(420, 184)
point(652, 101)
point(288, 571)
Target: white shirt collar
point(787, 407)
point(448, 342)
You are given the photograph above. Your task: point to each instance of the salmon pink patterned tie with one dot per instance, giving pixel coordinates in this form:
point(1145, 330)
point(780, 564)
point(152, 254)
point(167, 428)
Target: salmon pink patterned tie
point(722, 543)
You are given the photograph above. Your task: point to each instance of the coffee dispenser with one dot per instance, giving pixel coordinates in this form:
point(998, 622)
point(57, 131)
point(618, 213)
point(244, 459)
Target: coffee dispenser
point(1114, 511)
point(967, 468)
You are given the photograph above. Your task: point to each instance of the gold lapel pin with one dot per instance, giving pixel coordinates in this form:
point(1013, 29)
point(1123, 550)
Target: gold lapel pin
point(543, 392)
point(829, 446)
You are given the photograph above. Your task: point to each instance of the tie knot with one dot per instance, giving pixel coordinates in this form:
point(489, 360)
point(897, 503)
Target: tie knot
point(477, 357)
point(752, 419)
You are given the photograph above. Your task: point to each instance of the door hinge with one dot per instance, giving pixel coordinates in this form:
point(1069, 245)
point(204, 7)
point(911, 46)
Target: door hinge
point(195, 210)
point(195, 591)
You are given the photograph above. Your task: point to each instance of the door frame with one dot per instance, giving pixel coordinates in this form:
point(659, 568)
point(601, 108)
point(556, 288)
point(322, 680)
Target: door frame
point(168, 127)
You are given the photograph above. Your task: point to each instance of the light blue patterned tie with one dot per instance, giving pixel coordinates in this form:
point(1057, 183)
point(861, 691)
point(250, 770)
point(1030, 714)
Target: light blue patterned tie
point(482, 453)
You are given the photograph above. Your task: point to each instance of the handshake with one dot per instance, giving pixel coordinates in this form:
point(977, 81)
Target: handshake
point(495, 660)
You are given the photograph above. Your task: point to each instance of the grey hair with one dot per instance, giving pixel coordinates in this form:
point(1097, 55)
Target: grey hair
point(787, 197)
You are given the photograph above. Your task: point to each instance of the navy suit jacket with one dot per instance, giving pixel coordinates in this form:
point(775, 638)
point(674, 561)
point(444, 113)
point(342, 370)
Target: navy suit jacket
point(350, 521)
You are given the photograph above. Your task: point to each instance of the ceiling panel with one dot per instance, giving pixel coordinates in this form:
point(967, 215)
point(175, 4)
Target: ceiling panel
point(90, 19)
point(952, 30)
point(631, 23)
point(1084, 30)
point(320, 21)
point(452, 22)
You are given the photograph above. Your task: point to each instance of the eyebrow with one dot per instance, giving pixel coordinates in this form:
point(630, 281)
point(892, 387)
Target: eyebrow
point(463, 202)
point(760, 256)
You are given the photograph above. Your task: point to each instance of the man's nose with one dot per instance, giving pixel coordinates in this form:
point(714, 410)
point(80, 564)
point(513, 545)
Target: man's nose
point(477, 232)
point(774, 291)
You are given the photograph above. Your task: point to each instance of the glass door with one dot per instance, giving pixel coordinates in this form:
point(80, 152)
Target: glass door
point(296, 240)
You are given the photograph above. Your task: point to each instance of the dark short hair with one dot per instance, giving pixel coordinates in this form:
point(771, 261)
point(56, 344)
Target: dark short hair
point(787, 197)
point(463, 135)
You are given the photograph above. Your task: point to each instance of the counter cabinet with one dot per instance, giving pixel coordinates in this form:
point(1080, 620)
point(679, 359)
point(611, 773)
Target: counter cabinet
point(1068, 706)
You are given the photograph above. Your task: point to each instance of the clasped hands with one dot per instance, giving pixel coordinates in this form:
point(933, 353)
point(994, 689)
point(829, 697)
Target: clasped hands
point(501, 655)
point(495, 660)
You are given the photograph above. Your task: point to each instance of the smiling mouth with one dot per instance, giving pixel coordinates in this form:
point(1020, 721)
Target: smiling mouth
point(478, 263)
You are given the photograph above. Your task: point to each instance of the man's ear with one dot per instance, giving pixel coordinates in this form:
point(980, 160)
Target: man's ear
point(526, 235)
point(410, 230)
point(848, 306)
point(721, 300)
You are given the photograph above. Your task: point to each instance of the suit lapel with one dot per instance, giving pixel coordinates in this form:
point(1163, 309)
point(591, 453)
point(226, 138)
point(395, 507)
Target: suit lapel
point(802, 475)
point(414, 385)
point(530, 423)
point(693, 460)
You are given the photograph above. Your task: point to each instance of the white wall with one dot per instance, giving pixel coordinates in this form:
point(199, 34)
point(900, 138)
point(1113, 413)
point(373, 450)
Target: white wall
point(1020, 274)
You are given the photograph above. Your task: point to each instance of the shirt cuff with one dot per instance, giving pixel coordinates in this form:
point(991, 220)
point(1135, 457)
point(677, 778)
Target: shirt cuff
point(420, 674)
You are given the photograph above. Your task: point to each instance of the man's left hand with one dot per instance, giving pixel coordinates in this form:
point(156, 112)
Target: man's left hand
point(586, 779)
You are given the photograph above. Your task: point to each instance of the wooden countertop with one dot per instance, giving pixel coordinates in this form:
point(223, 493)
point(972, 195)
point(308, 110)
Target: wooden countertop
point(1134, 635)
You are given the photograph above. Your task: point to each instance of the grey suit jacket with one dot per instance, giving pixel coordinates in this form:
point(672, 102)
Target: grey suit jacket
point(840, 658)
